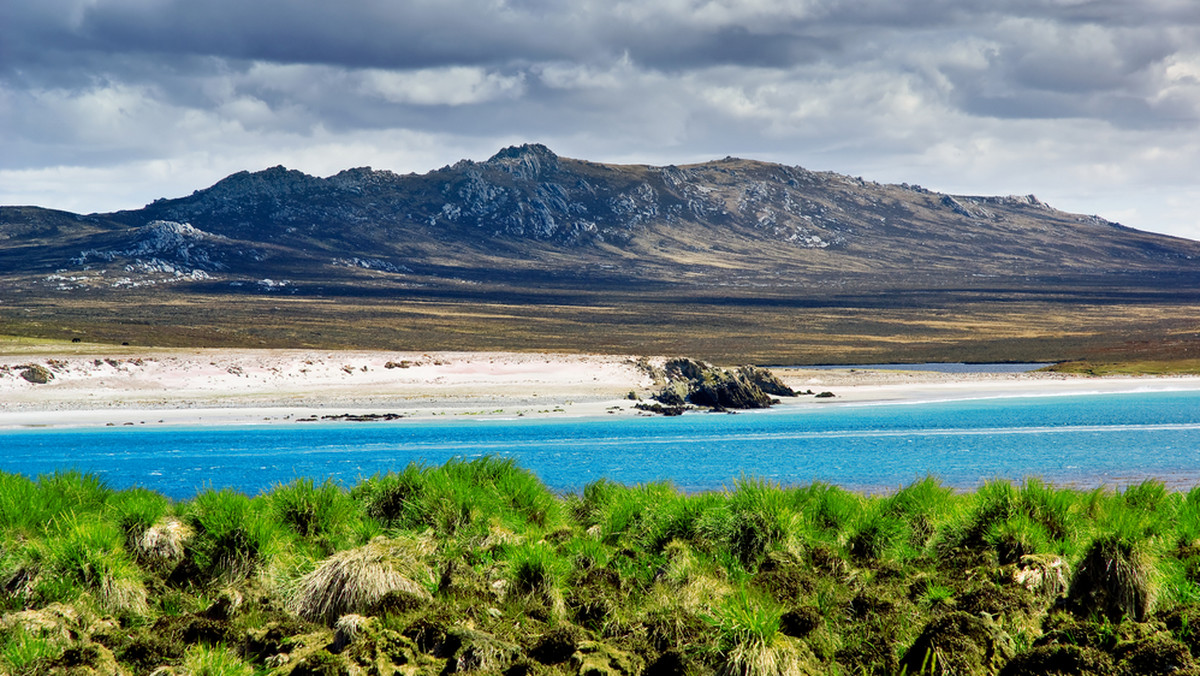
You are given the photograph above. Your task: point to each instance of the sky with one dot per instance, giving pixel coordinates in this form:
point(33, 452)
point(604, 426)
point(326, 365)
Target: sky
point(1094, 106)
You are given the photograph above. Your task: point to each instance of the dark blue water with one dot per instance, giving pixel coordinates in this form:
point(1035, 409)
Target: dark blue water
point(1083, 441)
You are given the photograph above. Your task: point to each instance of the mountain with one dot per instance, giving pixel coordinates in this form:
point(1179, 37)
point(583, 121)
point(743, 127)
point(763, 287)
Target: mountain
point(527, 226)
point(528, 209)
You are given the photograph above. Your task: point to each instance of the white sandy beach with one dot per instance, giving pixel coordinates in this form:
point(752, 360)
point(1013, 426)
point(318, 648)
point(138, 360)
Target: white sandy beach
point(214, 386)
point(880, 385)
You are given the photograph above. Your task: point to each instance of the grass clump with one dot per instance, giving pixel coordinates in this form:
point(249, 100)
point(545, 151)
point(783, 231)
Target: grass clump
point(214, 660)
point(462, 496)
point(959, 644)
point(1114, 580)
point(136, 511)
point(324, 516)
point(762, 518)
point(827, 510)
point(26, 506)
point(355, 580)
point(873, 534)
point(26, 652)
point(233, 535)
point(749, 639)
point(162, 545)
point(79, 557)
point(920, 507)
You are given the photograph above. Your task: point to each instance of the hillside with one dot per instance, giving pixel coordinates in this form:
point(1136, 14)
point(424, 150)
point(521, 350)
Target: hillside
point(573, 246)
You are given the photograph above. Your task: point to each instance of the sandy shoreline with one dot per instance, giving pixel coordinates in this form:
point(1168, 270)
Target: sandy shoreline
point(233, 387)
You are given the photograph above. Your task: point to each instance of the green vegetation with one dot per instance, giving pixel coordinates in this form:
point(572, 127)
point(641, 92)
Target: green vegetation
point(1157, 367)
point(474, 566)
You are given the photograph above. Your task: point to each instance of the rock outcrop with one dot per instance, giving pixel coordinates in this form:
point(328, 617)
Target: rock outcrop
point(168, 248)
point(37, 374)
point(694, 382)
point(766, 381)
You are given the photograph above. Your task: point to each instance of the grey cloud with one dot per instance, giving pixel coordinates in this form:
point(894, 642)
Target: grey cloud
point(734, 45)
point(409, 35)
point(686, 79)
point(1036, 69)
point(353, 34)
point(1063, 48)
point(401, 35)
point(1084, 59)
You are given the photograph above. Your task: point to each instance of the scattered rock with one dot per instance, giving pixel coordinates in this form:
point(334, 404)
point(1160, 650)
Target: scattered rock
point(37, 374)
point(363, 417)
point(56, 622)
point(377, 650)
point(320, 663)
point(659, 408)
point(85, 659)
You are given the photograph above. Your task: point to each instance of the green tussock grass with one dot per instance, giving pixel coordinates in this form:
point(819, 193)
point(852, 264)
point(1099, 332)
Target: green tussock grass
point(475, 565)
point(214, 660)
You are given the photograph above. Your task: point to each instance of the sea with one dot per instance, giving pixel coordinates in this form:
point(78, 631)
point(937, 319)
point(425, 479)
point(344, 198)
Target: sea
point(1082, 441)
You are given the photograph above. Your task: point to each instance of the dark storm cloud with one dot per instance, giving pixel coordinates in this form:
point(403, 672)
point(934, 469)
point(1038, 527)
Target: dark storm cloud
point(1036, 59)
point(354, 34)
point(374, 33)
point(1062, 47)
point(733, 45)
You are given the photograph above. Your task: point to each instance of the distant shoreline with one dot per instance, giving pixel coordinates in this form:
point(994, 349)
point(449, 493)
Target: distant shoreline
point(255, 387)
point(984, 368)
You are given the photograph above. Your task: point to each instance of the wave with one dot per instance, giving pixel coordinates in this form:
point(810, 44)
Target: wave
point(582, 443)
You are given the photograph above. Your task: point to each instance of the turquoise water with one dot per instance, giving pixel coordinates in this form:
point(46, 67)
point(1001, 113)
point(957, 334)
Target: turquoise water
point(1083, 441)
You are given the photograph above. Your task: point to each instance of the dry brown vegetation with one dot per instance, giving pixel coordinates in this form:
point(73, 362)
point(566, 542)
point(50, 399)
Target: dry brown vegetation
point(767, 329)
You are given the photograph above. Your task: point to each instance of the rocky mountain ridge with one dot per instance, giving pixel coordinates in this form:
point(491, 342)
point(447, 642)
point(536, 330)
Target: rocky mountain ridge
point(527, 211)
point(529, 192)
